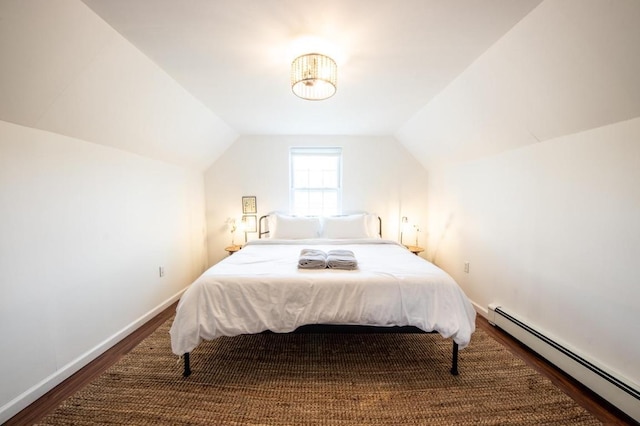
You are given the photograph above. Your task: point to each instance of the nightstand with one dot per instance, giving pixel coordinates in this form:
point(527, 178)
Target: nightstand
point(415, 249)
point(232, 249)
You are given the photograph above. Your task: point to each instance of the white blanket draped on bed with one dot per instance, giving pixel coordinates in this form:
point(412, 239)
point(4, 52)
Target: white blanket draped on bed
point(261, 288)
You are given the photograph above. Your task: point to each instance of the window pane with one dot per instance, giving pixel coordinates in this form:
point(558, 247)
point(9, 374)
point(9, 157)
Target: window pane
point(330, 203)
point(300, 202)
point(315, 181)
point(301, 178)
point(315, 203)
point(330, 179)
point(315, 172)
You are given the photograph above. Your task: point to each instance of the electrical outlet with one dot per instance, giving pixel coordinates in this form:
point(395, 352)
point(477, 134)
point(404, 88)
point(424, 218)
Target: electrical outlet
point(161, 271)
point(466, 266)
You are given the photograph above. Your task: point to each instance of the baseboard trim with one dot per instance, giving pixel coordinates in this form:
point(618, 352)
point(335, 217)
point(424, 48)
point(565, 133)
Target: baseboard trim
point(29, 396)
point(481, 310)
point(617, 390)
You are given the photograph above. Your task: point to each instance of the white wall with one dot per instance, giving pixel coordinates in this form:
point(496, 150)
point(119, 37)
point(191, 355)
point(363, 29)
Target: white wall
point(551, 232)
point(83, 231)
point(534, 162)
point(85, 227)
point(379, 176)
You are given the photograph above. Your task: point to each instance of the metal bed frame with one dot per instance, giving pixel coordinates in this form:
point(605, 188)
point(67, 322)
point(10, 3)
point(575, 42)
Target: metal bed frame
point(348, 329)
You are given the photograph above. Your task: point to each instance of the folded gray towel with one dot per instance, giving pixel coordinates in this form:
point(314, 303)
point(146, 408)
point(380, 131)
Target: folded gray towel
point(312, 259)
point(341, 259)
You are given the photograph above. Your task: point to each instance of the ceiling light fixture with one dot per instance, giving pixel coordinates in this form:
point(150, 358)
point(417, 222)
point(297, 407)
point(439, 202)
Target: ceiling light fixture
point(314, 76)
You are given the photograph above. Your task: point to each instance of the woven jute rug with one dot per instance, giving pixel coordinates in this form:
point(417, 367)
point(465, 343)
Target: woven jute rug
point(320, 379)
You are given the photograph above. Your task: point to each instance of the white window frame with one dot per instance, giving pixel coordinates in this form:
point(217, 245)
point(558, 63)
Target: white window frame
point(335, 152)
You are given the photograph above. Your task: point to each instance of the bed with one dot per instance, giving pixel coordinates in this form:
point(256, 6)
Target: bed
point(261, 288)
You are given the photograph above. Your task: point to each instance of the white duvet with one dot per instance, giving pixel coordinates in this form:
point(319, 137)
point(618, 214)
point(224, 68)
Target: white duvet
point(261, 288)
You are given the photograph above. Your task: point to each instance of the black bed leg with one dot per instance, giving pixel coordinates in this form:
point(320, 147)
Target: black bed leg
point(187, 366)
point(454, 360)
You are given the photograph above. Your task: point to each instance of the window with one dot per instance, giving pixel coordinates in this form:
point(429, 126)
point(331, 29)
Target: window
point(315, 181)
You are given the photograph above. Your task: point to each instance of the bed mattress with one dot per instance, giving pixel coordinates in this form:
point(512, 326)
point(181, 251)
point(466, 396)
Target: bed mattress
point(261, 288)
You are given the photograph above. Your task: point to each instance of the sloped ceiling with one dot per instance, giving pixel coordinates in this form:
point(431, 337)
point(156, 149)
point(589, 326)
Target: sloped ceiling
point(235, 55)
point(569, 66)
point(180, 80)
point(66, 71)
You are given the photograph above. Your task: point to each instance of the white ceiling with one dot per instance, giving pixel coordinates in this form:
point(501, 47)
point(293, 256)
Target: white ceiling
point(234, 55)
point(451, 80)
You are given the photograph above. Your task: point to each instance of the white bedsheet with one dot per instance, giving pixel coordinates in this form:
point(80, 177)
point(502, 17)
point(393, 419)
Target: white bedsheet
point(261, 288)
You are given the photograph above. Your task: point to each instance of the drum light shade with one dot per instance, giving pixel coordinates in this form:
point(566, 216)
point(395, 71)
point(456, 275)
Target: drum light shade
point(314, 77)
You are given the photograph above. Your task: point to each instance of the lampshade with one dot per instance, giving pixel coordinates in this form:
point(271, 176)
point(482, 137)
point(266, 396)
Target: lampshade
point(314, 76)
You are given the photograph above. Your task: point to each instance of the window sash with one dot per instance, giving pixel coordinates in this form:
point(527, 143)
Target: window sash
point(315, 181)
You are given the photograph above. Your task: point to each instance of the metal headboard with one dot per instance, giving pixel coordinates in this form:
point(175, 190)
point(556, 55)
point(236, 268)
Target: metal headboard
point(263, 228)
point(262, 224)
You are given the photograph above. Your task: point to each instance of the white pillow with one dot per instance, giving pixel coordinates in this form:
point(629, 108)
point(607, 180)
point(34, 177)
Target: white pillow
point(271, 225)
point(373, 225)
point(337, 227)
point(293, 227)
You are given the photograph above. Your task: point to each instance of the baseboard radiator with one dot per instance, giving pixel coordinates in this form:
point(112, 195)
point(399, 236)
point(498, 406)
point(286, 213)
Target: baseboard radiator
point(623, 395)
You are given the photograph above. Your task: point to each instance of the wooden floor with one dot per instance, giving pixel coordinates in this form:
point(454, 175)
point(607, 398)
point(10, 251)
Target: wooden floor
point(583, 396)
